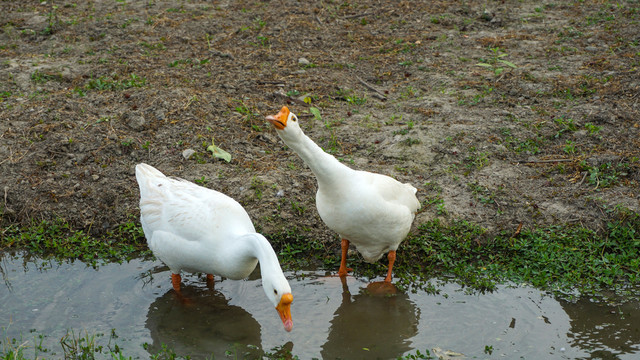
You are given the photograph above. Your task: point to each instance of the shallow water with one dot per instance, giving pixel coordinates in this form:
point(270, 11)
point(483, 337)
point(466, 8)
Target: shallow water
point(330, 321)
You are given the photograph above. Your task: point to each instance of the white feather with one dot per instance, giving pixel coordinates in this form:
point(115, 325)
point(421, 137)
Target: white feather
point(372, 211)
point(192, 228)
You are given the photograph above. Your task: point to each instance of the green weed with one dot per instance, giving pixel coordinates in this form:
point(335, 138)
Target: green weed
point(570, 147)
point(592, 129)
point(434, 198)
point(177, 10)
point(105, 83)
point(299, 251)
point(410, 141)
point(350, 98)
point(605, 175)
point(259, 23)
point(40, 77)
point(477, 98)
point(59, 240)
point(565, 125)
point(316, 113)
point(5, 95)
point(258, 187)
point(418, 356)
point(482, 193)
point(475, 159)
point(150, 46)
point(201, 181)
point(52, 19)
point(496, 62)
point(80, 347)
point(558, 258)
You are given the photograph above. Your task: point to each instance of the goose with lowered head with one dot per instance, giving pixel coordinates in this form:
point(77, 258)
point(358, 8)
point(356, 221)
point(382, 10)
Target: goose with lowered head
point(195, 229)
point(372, 211)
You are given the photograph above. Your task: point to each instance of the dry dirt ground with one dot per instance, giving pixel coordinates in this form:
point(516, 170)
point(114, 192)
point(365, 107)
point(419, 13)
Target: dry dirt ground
point(501, 113)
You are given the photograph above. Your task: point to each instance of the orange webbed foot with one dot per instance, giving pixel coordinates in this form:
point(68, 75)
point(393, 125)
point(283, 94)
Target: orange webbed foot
point(342, 272)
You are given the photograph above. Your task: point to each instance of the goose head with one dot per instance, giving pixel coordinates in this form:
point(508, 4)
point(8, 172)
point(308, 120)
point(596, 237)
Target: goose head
point(286, 125)
point(279, 293)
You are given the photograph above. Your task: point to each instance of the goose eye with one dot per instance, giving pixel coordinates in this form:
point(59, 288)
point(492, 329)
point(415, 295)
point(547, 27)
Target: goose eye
point(275, 291)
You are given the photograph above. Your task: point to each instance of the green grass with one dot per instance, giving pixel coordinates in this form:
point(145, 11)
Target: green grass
point(561, 259)
point(607, 174)
point(418, 355)
point(59, 240)
point(5, 95)
point(351, 98)
point(475, 159)
point(105, 83)
point(513, 143)
point(42, 77)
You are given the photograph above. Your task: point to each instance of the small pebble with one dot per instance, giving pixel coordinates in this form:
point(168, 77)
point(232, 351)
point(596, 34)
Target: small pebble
point(188, 153)
point(303, 61)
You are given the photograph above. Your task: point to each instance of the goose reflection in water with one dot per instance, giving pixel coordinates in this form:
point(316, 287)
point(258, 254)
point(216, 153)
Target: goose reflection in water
point(371, 325)
point(203, 326)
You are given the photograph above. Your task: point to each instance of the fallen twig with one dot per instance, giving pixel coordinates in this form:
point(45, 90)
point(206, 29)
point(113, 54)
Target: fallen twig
point(376, 91)
point(221, 54)
point(265, 82)
point(542, 161)
point(517, 232)
point(583, 177)
point(292, 99)
point(357, 16)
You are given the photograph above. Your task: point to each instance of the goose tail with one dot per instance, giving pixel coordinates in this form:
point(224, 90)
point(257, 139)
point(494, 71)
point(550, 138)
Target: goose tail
point(144, 171)
point(145, 175)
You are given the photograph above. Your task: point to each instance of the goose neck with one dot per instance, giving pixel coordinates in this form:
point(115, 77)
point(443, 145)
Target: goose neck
point(324, 166)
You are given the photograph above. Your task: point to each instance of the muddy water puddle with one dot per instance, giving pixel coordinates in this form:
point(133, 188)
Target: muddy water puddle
point(330, 320)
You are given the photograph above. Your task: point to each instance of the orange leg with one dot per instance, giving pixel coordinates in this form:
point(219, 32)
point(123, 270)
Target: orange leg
point(175, 280)
point(343, 261)
point(392, 258)
point(210, 281)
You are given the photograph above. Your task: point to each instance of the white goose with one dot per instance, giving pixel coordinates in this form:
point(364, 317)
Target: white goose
point(192, 228)
point(372, 211)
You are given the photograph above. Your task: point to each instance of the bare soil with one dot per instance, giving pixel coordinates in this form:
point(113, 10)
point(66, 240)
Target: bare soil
point(501, 113)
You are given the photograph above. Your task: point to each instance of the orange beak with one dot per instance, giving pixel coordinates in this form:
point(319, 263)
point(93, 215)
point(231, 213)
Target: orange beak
point(279, 120)
point(284, 309)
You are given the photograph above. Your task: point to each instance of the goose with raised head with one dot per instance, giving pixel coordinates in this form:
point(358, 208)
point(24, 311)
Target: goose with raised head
point(195, 229)
point(372, 211)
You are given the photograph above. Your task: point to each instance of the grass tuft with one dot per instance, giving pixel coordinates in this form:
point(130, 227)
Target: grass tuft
point(59, 240)
point(561, 259)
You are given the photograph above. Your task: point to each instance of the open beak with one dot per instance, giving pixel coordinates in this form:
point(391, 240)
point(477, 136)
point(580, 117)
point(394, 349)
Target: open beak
point(284, 309)
point(279, 120)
